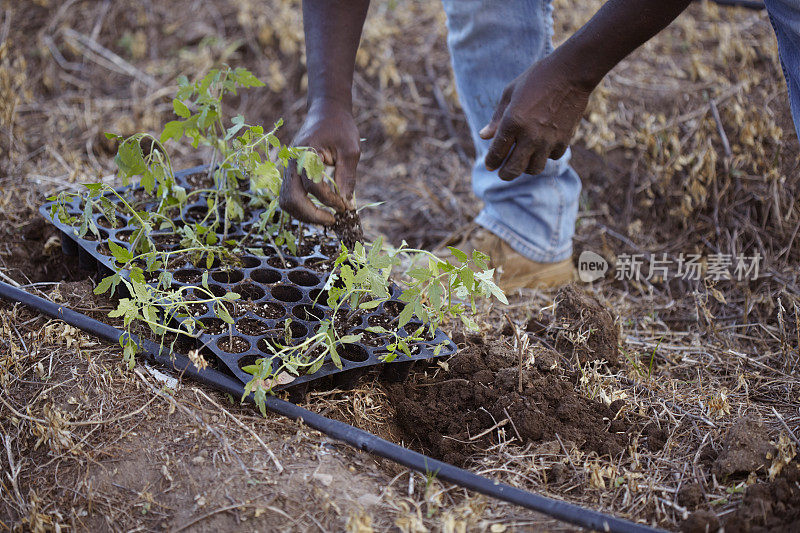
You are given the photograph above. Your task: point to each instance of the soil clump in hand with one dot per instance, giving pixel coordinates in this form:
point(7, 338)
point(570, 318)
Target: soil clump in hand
point(347, 228)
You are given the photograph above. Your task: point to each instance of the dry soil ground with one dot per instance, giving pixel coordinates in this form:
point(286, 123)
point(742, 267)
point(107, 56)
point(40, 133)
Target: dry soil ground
point(691, 422)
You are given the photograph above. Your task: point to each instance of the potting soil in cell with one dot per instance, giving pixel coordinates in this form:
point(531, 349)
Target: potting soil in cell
point(274, 288)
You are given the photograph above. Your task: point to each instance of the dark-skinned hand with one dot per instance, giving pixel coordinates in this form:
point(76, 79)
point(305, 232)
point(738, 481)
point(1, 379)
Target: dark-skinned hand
point(330, 129)
point(535, 120)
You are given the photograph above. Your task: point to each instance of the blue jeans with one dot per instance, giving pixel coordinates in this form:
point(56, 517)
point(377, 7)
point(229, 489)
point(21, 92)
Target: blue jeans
point(785, 18)
point(492, 42)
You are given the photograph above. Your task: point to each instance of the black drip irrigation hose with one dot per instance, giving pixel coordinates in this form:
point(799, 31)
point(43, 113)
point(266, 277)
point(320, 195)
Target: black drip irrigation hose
point(353, 436)
point(747, 4)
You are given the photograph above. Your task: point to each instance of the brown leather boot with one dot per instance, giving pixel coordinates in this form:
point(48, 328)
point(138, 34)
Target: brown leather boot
point(512, 270)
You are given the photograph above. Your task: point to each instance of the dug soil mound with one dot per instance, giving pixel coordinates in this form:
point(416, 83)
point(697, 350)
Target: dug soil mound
point(586, 328)
point(746, 448)
point(766, 507)
point(773, 506)
point(452, 414)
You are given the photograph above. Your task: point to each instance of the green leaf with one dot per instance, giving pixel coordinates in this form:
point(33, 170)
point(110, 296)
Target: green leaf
point(405, 316)
point(312, 164)
point(129, 353)
point(181, 109)
point(123, 255)
point(129, 158)
point(313, 369)
point(469, 323)
point(480, 259)
point(148, 181)
point(137, 275)
point(487, 281)
point(370, 304)
point(335, 356)
point(435, 295)
point(222, 313)
point(173, 129)
point(150, 313)
point(421, 274)
point(245, 78)
point(458, 254)
point(267, 176)
point(106, 283)
point(467, 278)
point(350, 339)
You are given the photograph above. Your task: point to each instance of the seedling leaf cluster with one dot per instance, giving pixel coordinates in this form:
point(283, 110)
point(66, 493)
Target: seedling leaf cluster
point(209, 223)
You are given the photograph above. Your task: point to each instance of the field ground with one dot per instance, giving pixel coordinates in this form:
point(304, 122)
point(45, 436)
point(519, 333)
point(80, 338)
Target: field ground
point(691, 422)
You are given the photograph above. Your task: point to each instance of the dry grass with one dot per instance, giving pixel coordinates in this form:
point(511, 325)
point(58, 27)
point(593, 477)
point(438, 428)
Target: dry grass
point(87, 445)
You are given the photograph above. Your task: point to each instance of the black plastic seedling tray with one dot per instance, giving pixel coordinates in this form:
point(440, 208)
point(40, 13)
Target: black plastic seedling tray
point(274, 288)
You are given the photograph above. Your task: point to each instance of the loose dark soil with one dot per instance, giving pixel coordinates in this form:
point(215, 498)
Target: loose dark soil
point(691, 495)
point(581, 315)
point(214, 326)
point(319, 264)
point(348, 228)
point(773, 506)
point(442, 414)
point(745, 449)
point(269, 310)
point(237, 308)
point(251, 326)
point(371, 339)
point(285, 262)
point(190, 276)
point(766, 507)
point(234, 344)
point(201, 180)
point(381, 320)
point(305, 249)
point(197, 309)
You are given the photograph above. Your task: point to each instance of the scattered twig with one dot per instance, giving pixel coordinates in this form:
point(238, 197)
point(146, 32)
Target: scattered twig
point(519, 350)
point(13, 469)
point(487, 431)
point(785, 425)
point(564, 449)
point(9, 280)
point(106, 58)
point(720, 128)
point(209, 514)
point(513, 425)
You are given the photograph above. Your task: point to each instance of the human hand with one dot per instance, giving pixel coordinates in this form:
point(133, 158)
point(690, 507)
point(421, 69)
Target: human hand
point(535, 120)
point(331, 130)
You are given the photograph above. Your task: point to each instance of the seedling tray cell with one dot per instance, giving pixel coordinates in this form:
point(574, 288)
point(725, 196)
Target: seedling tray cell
point(274, 288)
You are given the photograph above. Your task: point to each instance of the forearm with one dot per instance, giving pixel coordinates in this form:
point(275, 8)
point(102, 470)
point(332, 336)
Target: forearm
point(333, 31)
point(616, 30)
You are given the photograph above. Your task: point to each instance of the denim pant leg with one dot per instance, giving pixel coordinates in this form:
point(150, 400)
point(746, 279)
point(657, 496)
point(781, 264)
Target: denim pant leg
point(491, 42)
point(785, 18)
